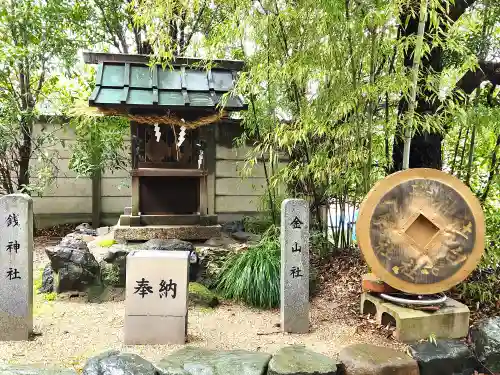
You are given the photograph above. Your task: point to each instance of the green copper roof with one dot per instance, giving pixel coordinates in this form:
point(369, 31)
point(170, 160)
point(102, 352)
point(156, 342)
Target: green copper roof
point(132, 83)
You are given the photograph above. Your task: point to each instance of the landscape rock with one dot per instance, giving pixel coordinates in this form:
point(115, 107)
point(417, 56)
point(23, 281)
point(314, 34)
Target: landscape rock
point(211, 260)
point(115, 252)
point(367, 359)
point(102, 231)
point(177, 245)
point(486, 340)
point(47, 280)
point(116, 363)
point(200, 295)
point(86, 228)
point(245, 237)
point(30, 370)
point(168, 244)
point(74, 241)
point(74, 264)
point(297, 360)
point(446, 357)
point(233, 226)
point(223, 240)
point(200, 361)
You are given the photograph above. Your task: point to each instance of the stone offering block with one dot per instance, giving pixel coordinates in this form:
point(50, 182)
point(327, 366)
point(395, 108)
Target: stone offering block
point(16, 267)
point(156, 302)
point(294, 266)
point(450, 322)
point(421, 230)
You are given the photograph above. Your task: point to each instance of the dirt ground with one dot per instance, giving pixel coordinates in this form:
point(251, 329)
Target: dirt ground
point(69, 332)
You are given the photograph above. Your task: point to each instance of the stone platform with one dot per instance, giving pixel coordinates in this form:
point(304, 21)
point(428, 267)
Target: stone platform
point(180, 232)
point(450, 322)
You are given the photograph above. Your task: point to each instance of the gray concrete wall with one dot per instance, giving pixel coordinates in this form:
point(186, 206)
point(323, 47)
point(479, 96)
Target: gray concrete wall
point(237, 193)
point(69, 199)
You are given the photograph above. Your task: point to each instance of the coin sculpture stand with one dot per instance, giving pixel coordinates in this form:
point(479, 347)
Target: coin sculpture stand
point(421, 231)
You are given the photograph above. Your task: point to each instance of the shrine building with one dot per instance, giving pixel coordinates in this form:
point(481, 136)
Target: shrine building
point(183, 163)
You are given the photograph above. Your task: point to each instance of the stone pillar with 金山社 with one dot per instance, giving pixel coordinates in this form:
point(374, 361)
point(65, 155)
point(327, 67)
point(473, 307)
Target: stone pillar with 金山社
point(294, 288)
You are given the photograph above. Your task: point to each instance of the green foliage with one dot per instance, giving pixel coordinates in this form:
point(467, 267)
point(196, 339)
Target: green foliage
point(258, 224)
point(110, 275)
point(100, 142)
point(50, 296)
point(201, 295)
point(482, 288)
point(37, 282)
point(106, 242)
point(39, 41)
point(253, 276)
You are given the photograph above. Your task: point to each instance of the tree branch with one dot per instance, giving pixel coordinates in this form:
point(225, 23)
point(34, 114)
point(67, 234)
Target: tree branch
point(488, 71)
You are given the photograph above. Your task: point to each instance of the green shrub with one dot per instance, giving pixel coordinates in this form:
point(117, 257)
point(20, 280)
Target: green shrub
point(258, 224)
point(482, 287)
point(253, 276)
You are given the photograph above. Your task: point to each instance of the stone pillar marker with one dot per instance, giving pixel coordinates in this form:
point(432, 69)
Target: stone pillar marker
point(156, 297)
point(294, 266)
point(16, 267)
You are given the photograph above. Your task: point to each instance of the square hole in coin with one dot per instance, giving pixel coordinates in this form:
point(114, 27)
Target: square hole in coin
point(422, 230)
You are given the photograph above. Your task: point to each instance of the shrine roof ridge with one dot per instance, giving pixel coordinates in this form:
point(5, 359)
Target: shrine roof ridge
point(100, 57)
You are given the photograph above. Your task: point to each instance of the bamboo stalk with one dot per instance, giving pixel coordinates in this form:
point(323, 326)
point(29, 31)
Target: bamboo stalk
point(417, 55)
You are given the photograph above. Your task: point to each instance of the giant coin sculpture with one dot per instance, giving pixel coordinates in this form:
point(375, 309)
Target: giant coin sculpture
point(421, 230)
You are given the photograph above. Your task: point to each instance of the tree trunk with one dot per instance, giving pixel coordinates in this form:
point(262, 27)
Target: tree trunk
point(425, 150)
point(25, 155)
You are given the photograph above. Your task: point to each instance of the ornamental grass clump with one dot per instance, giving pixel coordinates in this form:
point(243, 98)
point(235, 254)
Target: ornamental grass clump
point(253, 276)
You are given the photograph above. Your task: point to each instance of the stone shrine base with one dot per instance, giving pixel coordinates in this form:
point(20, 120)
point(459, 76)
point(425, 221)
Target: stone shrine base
point(180, 232)
point(450, 322)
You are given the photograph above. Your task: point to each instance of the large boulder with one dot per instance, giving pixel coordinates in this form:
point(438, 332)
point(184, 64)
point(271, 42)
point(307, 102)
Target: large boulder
point(86, 228)
point(445, 357)
point(75, 267)
point(116, 363)
point(199, 361)
point(367, 359)
point(47, 280)
point(297, 360)
point(486, 340)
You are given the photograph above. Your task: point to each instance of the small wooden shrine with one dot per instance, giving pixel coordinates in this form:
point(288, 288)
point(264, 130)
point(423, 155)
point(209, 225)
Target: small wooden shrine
point(171, 111)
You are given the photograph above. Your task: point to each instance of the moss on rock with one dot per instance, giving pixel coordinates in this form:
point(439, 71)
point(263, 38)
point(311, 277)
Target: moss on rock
point(202, 296)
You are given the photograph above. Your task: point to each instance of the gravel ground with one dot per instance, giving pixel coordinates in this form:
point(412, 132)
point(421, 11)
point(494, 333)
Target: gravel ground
point(69, 332)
